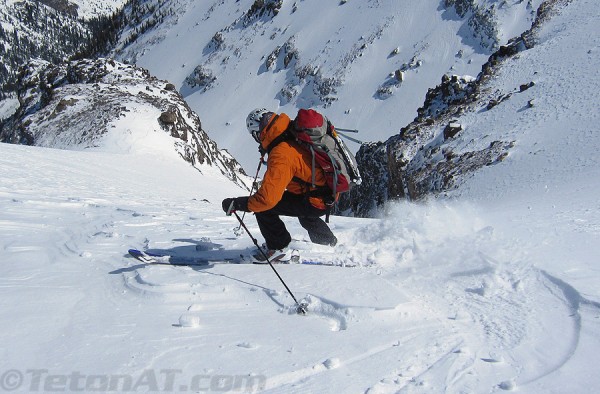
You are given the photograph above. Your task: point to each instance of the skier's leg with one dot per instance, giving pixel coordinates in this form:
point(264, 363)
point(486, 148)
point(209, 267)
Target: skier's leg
point(273, 229)
point(318, 231)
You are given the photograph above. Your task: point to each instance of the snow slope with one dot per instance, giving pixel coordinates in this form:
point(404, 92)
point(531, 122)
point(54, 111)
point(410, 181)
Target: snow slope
point(492, 288)
point(350, 47)
point(553, 170)
point(444, 298)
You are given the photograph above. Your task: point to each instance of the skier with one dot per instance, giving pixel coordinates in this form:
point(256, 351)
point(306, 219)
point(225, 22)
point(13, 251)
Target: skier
point(285, 189)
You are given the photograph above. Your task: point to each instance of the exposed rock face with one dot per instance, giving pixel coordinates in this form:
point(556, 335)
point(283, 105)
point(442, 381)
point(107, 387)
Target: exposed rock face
point(76, 105)
point(422, 159)
point(261, 8)
point(481, 21)
point(201, 78)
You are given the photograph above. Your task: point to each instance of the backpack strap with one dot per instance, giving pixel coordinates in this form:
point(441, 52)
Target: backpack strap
point(324, 192)
point(313, 169)
point(335, 173)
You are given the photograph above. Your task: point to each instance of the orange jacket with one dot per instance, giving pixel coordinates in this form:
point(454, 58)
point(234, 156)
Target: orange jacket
point(286, 161)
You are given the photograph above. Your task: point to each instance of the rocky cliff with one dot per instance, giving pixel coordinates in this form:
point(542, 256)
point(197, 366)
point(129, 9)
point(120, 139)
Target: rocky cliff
point(427, 156)
point(102, 103)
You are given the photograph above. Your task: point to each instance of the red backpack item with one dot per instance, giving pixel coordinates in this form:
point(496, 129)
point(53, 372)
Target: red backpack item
point(316, 133)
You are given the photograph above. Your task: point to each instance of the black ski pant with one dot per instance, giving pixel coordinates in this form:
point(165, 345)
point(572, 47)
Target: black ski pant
point(273, 229)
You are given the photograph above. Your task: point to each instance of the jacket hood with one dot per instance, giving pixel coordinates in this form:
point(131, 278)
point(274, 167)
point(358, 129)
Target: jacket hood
point(275, 127)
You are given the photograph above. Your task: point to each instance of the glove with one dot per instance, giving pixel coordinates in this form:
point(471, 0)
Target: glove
point(239, 204)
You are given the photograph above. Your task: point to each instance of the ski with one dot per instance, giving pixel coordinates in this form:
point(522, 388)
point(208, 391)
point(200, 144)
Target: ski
point(164, 259)
point(319, 262)
point(274, 260)
point(295, 258)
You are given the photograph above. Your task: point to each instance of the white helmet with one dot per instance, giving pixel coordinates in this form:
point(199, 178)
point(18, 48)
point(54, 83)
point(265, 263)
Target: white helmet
point(253, 122)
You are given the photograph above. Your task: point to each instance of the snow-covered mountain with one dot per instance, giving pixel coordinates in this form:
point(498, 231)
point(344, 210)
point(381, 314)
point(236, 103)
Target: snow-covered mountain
point(489, 288)
point(297, 63)
point(367, 64)
point(441, 150)
point(104, 105)
point(22, 36)
point(429, 155)
point(53, 30)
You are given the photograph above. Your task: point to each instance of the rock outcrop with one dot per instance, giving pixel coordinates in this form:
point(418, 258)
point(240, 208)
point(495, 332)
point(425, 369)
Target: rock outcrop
point(422, 159)
point(79, 104)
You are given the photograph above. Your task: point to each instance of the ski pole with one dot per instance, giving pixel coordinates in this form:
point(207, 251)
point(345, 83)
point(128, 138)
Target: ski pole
point(301, 308)
point(347, 130)
point(260, 162)
point(348, 137)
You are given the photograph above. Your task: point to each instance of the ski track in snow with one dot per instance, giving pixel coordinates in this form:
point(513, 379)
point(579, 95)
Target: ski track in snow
point(480, 323)
point(444, 296)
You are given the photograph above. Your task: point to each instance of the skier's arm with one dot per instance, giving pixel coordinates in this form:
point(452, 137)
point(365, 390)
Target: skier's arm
point(279, 174)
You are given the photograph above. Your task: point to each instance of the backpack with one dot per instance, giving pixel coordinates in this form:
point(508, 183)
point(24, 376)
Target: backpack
point(316, 133)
